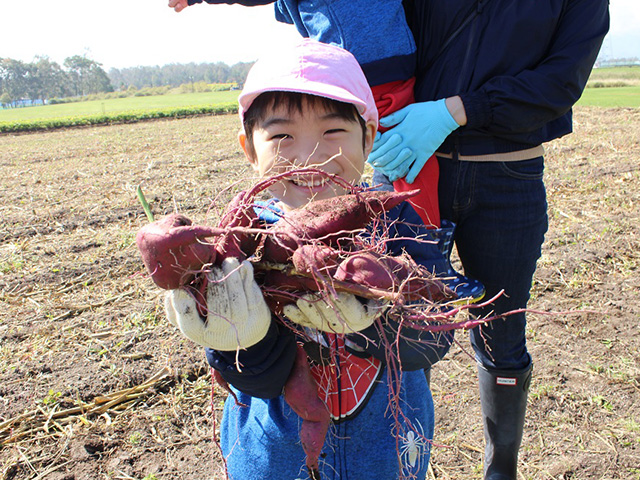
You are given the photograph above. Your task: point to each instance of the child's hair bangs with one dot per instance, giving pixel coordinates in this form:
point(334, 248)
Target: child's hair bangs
point(295, 102)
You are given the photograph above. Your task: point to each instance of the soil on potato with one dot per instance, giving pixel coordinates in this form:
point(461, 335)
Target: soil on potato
point(96, 384)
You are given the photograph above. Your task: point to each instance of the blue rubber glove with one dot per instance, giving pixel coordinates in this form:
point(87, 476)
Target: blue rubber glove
point(418, 130)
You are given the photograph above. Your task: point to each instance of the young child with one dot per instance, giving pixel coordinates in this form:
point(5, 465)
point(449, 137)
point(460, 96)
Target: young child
point(312, 106)
point(365, 29)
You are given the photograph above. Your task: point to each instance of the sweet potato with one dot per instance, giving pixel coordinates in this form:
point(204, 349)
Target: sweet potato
point(416, 282)
point(364, 273)
point(330, 221)
point(282, 288)
point(315, 259)
point(366, 268)
point(301, 394)
point(236, 243)
point(173, 250)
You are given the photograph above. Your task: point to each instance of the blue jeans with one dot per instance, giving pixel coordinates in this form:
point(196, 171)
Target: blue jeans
point(500, 209)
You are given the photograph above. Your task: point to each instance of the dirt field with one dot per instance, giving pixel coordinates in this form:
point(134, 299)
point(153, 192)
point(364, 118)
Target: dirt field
point(95, 384)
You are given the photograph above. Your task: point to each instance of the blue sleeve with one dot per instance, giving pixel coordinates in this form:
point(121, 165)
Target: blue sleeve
point(415, 348)
point(283, 14)
point(265, 366)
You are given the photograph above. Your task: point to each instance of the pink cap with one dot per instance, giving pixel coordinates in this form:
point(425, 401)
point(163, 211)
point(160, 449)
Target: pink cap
point(314, 68)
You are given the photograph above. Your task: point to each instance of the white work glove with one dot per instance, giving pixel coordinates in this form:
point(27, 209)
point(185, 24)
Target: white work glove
point(341, 314)
point(237, 314)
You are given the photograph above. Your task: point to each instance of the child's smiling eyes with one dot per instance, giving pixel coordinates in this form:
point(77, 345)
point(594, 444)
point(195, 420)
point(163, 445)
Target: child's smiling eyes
point(280, 136)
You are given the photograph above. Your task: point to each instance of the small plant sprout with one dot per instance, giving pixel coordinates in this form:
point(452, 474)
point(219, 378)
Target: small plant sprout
point(144, 203)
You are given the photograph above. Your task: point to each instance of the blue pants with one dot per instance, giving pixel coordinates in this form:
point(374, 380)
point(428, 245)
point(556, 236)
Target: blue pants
point(261, 441)
point(500, 209)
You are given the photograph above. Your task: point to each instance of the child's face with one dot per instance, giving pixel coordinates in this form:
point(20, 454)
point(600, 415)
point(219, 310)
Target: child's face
point(288, 139)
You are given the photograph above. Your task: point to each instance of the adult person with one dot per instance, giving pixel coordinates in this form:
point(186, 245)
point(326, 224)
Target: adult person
point(510, 72)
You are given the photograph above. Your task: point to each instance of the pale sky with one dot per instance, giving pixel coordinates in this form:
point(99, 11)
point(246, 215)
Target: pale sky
point(147, 32)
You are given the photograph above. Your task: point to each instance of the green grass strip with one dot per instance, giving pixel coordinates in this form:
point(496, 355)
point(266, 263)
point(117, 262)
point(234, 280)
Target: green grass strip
point(611, 97)
point(130, 116)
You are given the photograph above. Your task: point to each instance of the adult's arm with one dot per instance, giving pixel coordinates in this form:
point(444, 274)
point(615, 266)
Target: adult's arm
point(527, 101)
point(246, 3)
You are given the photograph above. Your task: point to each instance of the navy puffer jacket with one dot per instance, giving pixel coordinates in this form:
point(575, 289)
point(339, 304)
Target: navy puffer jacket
point(518, 65)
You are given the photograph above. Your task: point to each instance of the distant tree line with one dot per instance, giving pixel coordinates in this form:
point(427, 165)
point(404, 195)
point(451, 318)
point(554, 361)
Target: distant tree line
point(79, 76)
point(178, 74)
point(617, 62)
point(43, 79)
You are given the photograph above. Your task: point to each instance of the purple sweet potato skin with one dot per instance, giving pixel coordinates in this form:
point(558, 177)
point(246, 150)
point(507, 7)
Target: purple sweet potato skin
point(173, 251)
point(281, 289)
point(329, 220)
point(417, 283)
point(239, 213)
point(301, 394)
point(366, 268)
point(319, 239)
point(346, 213)
point(315, 259)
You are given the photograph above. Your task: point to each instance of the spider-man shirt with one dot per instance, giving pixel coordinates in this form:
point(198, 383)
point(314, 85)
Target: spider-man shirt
point(345, 378)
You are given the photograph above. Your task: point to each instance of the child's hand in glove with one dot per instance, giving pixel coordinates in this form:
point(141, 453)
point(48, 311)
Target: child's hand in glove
point(238, 316)
point(342, 314)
